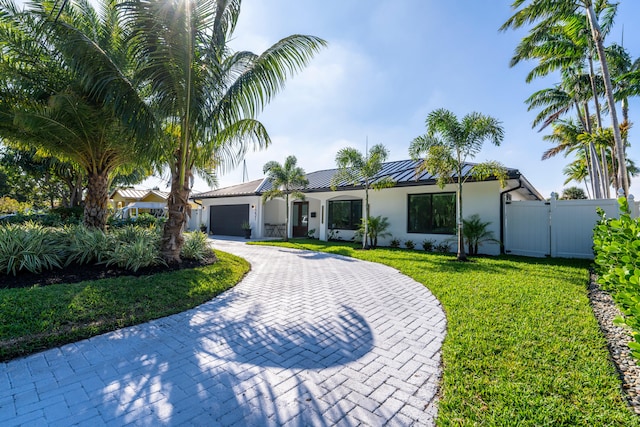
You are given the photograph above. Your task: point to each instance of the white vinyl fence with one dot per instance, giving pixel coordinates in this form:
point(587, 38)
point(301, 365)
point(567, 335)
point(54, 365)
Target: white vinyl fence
point(555, 228)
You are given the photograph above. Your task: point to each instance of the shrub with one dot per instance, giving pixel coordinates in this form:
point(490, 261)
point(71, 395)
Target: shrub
point(196, 246)
point(617, 261)
point(9, 205)
point(428, 245)
point(146, 220)
point(69, 216)
point(475, 233)
point(86, 245)
point(377, 227)
point(134, 248)
point(443, 247)
point(409, 244)
point(395, 243)
point(30, 247)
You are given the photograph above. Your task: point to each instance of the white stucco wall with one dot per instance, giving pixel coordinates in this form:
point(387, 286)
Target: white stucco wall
point(482, 198)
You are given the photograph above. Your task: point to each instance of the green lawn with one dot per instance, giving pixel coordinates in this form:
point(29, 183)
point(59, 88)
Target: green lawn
point(33, 319)
point(522, 348)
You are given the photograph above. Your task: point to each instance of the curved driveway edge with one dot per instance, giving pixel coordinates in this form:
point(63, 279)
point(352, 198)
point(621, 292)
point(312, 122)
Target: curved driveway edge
point(305, 339)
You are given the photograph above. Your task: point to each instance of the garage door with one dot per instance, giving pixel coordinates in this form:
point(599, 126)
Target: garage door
point(226, 220)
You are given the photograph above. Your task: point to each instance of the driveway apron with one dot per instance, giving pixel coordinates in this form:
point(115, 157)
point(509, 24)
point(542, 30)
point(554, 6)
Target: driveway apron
point(306, 339)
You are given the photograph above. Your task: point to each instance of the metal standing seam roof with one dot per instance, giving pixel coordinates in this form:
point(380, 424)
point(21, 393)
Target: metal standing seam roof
point(245, 189)
point(403, 172)
point(131, 193)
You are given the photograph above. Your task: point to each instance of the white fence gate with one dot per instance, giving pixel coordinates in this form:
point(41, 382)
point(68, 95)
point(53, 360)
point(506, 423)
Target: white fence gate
point(555, 228)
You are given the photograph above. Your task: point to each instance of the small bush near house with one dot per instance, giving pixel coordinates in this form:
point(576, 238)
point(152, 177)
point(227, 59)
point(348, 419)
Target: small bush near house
point(617, 259)
point(428, 245)
point(475, 233)
point(409, 244)
point(196, 246)
point(395, 243)
point(443, 247)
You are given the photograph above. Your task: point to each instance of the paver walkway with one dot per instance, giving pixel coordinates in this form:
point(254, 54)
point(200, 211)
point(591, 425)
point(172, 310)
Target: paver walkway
point(306, 339)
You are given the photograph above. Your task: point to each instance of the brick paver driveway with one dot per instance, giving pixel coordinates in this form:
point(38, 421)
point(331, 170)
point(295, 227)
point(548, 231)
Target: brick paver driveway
point(306, 339)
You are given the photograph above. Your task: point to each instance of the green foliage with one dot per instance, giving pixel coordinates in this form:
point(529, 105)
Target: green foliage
point(31, 248)
point(357, 169)
point(9, 205)
point(38, 318)
point(86, 245)
point(475, 233)
point(69, 215)
point(522, 348)
point(428, 245)
point(616, 244)
point(286, 181)
point(196, 246)
point(447, 145)
point(377, 228)
point(443, 247)
point(409, 244)
point(395, 243)
point(573, 193)
point(134, 248)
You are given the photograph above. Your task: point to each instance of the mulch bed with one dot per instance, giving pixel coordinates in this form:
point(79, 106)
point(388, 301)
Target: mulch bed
point(77, 273)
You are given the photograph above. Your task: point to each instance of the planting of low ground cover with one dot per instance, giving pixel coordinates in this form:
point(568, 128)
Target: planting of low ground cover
point(36, 318)
point(522, 347)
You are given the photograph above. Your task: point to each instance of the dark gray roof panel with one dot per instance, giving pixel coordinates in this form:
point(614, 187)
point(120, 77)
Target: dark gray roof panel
point(403, 172)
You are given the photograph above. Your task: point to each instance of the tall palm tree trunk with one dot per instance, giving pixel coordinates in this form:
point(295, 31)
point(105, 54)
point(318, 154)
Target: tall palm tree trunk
point(603, 155)
point(97, 199)
point(461, 255)
point(286, 220)
point(178, 211)
point(365, 243)
point(620, 154)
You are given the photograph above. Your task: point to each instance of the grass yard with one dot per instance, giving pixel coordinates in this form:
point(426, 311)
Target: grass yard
point(522, 348)
point(36, 318)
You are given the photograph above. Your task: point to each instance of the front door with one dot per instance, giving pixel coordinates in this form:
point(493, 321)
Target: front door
point(300, 219)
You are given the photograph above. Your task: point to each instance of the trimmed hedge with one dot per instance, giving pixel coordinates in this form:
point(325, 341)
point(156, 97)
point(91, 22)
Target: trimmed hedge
point(617, 260)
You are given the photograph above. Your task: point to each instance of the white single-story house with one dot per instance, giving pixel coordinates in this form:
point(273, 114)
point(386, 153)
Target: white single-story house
point(417, 209)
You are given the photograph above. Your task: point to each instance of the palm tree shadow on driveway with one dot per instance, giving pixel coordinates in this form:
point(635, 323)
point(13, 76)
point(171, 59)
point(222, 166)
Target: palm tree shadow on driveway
point(215, 367)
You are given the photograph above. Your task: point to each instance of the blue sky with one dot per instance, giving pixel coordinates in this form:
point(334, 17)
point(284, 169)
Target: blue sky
point(391, 62)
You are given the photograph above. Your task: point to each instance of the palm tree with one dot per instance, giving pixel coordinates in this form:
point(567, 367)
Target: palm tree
point(476, 233)
point(446, 147)
point(206, 95)
point(377, 227)
point(46, 104)
point(550, 13)
point(286, 180)
point(357, 169)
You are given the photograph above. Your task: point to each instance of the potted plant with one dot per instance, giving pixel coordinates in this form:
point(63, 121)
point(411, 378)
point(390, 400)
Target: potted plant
point(203, 227)
point(247, 229)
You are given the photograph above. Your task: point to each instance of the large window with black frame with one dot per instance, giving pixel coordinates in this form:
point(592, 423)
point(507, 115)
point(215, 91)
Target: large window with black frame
point(345, 214)
point(432, 213)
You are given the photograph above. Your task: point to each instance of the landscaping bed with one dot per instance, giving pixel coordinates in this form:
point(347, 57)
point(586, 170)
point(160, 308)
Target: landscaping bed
point(39, 317)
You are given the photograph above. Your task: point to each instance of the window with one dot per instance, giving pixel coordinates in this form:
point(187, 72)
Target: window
point(345, 214)
point(432, 213)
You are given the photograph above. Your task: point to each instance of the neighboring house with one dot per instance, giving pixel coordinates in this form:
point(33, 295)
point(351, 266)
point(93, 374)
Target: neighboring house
point(148, 200)
point(416, 207)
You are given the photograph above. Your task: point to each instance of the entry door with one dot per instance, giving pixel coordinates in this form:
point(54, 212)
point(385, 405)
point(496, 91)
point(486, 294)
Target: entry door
point(300, 219)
